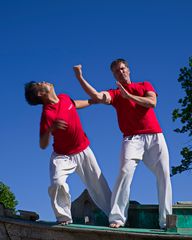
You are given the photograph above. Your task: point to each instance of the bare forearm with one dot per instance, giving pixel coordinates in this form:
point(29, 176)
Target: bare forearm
point(99, 97)
point(84, 103)
point(44, 139)
point(143, 101)
point(91, 91)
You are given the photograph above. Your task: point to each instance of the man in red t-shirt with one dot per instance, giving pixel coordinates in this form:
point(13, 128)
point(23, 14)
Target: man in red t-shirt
point(71, 151)
point(142, 139)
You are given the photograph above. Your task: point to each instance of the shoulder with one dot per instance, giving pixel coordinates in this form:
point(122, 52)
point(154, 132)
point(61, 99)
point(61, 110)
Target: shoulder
point(147, 86)
point(65, 99)
point(113, 95)
point(113, 91)
point(144, 83)
point(63, 96)
point(147, 83)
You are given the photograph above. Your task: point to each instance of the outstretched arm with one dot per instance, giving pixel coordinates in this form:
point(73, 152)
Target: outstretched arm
point(101, 97)
point(44, 139)
point(149, 100)
point(83, 103)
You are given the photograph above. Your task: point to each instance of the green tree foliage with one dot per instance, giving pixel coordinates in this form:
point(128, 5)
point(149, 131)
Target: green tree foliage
point(7, 197)
point(184, 114)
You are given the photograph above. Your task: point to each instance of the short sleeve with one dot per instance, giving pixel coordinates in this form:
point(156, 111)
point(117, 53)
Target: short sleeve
point(113, 93)
point(148, 87)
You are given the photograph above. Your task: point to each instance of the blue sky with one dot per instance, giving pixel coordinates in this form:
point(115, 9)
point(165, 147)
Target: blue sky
point(42, 40)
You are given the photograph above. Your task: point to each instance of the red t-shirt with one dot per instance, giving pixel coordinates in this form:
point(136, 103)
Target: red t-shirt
point(72, 140)
point(132, 118)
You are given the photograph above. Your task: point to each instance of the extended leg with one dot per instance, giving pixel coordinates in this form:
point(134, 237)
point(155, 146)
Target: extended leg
point(60, 168)
point(132, 150)
point(120, 195)
point(157, 160)
point(94, 180)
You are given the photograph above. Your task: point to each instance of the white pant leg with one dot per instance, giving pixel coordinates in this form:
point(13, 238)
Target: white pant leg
point(157, 159)
point(131, 153)
point(91, 175)
point(60, 168)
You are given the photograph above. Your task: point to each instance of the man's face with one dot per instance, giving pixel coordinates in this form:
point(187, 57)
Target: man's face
point(43, 87)
point(121, 73)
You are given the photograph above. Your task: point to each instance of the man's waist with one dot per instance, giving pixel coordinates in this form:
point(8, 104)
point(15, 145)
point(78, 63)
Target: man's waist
point(138, 132)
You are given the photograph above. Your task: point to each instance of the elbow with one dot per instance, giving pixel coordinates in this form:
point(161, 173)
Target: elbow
point(150, 105)
point(43, 145)
point(153, 104)
point(101, 98)
point(96, 98)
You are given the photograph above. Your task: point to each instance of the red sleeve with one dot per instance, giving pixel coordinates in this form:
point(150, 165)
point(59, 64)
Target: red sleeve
point(113, 93)
point(149, 87)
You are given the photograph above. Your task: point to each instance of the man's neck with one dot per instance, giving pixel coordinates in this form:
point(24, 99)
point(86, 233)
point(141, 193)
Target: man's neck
point(51, 99)
point(54, 99)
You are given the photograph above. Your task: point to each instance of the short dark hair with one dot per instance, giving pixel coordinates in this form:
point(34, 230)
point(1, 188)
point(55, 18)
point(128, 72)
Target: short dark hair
point(117, 61)
point(31, 95)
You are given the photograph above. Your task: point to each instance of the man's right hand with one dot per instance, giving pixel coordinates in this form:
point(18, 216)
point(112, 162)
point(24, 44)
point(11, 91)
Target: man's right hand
point(78, 71)
point(59, 124)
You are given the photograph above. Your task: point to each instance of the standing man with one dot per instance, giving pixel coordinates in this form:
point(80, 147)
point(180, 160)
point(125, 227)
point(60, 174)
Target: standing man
point(142, 139)
point(71, 151)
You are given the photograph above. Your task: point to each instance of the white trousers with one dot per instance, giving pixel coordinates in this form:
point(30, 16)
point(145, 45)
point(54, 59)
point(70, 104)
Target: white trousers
point(85, 164)
point(152, 149)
